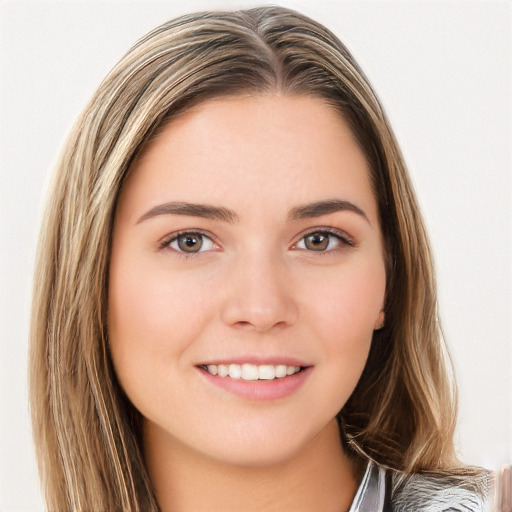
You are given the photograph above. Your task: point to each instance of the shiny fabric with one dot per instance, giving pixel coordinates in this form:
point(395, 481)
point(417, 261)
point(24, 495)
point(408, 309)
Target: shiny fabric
point(371, 493)
point(384, 491)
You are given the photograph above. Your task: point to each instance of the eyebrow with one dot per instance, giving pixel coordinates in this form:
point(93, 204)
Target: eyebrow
point(324, 208)
point(207, 211)
point(194, 210)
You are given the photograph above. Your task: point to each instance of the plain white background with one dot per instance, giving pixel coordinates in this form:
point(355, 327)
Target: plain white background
point(443, 72)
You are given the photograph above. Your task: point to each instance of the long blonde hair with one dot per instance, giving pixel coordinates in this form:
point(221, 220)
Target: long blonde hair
point(87, 434)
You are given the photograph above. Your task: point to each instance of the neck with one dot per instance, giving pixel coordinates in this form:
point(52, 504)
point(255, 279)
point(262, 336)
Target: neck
point(320, 477)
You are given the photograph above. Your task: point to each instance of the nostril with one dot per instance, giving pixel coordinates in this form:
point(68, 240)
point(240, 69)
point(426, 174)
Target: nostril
point(259, 326)
point(243, 324)
point(259, 308)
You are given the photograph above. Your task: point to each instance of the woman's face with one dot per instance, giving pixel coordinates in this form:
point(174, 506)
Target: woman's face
point(246, 241)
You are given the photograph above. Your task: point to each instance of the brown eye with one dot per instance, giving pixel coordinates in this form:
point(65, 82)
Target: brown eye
point(317, 241)
point(324, 241)
point(190, 242)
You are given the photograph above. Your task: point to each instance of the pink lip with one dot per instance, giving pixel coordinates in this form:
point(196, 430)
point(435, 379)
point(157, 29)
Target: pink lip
point(260, 390)
point(257, 360)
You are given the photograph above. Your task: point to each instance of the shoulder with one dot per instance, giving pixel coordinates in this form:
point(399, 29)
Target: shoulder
point(428, 492)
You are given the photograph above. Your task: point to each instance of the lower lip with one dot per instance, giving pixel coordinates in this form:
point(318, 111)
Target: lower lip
point(260, 390)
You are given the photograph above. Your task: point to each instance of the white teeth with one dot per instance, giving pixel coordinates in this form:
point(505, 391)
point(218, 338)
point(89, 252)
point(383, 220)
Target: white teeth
point(252, 371)
point(222, 370)
point(249, 372)
point(235, 372)
point(281, 371)
point(266, 372)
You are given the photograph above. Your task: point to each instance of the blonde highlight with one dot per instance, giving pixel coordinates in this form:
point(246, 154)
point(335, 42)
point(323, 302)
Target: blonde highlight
point(86, 432)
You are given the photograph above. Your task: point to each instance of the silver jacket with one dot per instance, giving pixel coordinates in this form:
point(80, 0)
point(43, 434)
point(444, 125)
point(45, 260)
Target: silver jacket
point(382, 491)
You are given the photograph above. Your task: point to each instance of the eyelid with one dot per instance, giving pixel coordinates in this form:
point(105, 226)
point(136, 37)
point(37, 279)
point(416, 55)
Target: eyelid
point(344, 238)
point(164, 242)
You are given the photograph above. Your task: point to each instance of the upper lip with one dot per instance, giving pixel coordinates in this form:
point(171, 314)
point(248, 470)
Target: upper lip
point(257, 360)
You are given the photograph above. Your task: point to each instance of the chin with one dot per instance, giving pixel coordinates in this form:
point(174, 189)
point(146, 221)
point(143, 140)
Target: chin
point(259, 457)
point(262, 447)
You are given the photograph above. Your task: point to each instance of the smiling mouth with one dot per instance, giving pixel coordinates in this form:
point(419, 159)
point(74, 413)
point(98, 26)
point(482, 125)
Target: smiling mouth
point(252, 372)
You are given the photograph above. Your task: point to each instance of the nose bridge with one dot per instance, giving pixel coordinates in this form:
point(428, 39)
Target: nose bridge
point(259, 291)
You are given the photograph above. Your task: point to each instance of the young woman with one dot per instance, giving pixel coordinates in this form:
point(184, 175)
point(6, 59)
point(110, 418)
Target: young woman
point(235, 306)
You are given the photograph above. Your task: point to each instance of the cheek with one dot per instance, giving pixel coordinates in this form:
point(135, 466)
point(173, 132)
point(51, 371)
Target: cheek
point(351, 300)
point(344, 321)
point(152, 318)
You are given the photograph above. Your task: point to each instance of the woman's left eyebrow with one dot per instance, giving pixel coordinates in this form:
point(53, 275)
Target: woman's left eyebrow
point(320, 208)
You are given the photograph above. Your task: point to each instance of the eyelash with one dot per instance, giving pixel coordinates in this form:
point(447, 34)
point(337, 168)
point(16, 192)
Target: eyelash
point(341, 237)
point(166, 242)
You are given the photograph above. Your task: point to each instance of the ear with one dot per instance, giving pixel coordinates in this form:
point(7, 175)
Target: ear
point(380, 321)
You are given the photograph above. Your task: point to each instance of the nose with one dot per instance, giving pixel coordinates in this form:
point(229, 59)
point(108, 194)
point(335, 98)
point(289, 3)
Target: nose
point(259, 295)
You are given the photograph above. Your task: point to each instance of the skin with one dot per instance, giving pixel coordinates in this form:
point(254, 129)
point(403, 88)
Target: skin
point(254, 290)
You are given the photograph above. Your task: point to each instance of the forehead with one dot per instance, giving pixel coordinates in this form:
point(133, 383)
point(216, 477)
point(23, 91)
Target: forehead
point(253, 149)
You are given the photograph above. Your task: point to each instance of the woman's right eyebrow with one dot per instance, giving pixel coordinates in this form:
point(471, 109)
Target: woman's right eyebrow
point(205, 211)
